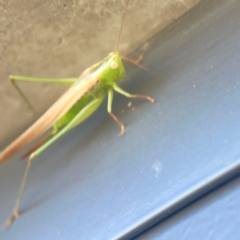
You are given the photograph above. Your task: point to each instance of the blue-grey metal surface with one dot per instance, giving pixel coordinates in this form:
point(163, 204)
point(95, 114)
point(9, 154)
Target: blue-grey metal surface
point(214, 216)
point(93, 185)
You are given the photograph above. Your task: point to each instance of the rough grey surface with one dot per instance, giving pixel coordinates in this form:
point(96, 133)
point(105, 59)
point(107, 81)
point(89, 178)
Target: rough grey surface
point(61, 38)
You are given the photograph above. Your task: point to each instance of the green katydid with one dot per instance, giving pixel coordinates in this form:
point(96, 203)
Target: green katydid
point(84, 96)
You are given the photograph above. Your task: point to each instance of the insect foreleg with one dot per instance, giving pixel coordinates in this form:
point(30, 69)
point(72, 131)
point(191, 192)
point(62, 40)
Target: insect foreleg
point(128, 95)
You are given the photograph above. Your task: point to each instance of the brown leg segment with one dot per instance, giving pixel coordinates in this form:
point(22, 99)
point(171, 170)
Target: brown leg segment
point(119, 122)
point(142, 97)
point(128, 95)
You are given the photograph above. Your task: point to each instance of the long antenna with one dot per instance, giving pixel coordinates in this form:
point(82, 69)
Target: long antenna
point(120, 33)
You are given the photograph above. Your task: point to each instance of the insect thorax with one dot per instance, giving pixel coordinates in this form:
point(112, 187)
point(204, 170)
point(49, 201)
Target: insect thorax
point(113, 71)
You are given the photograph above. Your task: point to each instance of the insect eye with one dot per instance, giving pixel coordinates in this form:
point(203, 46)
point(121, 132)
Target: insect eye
point(114, 65)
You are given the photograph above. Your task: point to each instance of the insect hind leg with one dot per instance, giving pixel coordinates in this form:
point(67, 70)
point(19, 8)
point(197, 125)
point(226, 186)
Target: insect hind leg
point(15, 212)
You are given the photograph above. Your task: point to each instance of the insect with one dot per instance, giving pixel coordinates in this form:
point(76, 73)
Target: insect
point(84, 96)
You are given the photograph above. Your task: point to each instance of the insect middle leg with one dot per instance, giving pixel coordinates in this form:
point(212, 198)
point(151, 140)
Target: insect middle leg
point(126, 94)
point(115, 118)
point(121, 91)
